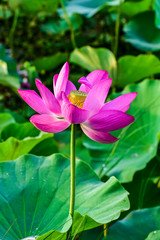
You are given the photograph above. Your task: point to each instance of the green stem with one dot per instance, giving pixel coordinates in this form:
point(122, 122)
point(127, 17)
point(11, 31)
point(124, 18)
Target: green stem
point(73, 169)
point(117, 30)
point(70, 25)
point(13, 28)
point(73, 176)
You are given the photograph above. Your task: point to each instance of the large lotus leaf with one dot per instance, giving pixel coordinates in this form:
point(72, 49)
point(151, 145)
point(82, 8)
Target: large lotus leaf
point(34, 197)
point(51, 62)
point(138, 142)
point(88, 7)
point(93, 59)
point(131, 8)
point(157, 10)
point(33, 6)
point(155, 235)
point(132, 69)
point(52, 27)
point(5, 119)
point(19, 139)
point(137, 225)
point(141, 32)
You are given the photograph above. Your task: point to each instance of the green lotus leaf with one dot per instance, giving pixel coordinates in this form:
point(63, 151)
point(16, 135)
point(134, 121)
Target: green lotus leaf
point(34, 197)
point(128, 69)
point(132, 69)
point(19, 139)
point(131, 8)
point(141, 32)
point(5, 119)
point(45, 148)
point(138, 142)
point(92, 59)
point(33, 6)
point(157, 11)
point(52, 27)
point(10, 81)
point(18, 117)
point(88, 7)
point(50, 62)
point(137, 225)
point(155, 235)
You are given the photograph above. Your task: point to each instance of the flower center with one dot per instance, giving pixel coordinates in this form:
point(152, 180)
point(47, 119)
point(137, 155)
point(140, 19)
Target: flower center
point(77, 98)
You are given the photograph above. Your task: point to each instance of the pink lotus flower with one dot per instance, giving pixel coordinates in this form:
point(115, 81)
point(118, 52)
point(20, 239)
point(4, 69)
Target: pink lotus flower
point(86, 106)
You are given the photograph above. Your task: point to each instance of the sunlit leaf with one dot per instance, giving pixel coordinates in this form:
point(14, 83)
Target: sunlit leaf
point(128, 69)
point(132, 69)
point(131, 8)
point(92, 59)
point(155, 235)
point(19, 139)
point(9, 81)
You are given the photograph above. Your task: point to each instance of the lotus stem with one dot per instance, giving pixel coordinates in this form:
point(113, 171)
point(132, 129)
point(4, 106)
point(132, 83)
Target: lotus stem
point(117, 30)
point(70, 25)
point(105, 230)
point(12, 31)
point(73, 172)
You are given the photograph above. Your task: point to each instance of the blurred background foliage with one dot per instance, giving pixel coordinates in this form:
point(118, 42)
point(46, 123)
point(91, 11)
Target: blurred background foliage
point(119, 36)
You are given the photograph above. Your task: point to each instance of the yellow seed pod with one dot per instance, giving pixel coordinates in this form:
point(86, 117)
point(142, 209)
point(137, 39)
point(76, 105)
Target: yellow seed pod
point(77, 98)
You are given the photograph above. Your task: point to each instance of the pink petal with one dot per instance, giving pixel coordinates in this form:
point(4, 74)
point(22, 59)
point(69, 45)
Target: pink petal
point(120, 103)
point(49, 99)
point(97, 76)
point(55, 81)
point(70, 87)
point(72, 113)
point(85, 85)
point(48, 123)
point(33, 100)
point(125, 108)
point(97, 95)
point(98, 136)
point(61, 82)
point(110, 120)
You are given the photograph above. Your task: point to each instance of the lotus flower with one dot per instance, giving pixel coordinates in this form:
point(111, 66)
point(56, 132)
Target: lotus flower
point(85, 106)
